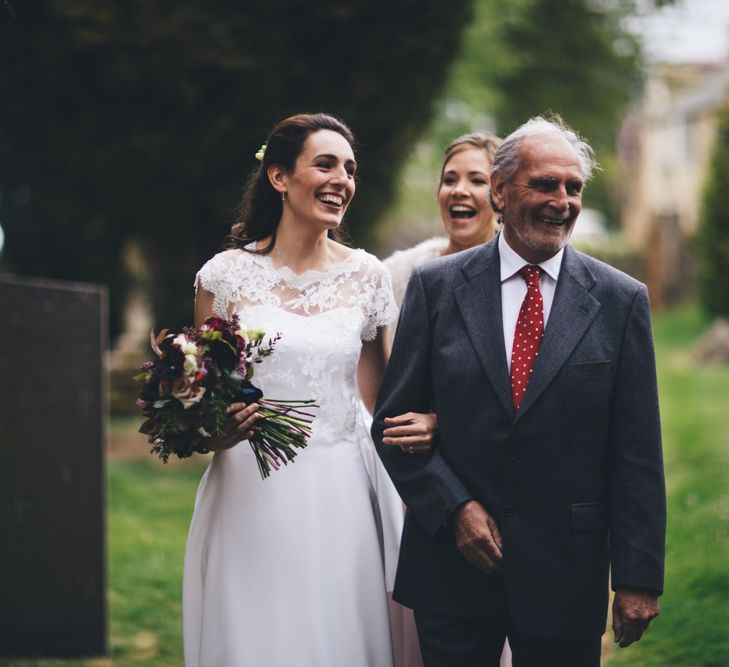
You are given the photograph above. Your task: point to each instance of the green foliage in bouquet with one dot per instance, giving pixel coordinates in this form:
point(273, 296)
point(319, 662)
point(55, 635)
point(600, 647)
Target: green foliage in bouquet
point(197, 375)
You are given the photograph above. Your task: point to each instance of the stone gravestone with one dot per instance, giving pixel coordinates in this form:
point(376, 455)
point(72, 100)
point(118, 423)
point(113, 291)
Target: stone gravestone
point(52, 469)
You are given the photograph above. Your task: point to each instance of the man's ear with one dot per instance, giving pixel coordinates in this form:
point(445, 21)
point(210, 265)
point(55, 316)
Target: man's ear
point(278, 178)
point(496, 192)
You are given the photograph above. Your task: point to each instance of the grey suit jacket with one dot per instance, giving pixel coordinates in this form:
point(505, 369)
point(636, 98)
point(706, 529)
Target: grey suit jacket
point(574, 479)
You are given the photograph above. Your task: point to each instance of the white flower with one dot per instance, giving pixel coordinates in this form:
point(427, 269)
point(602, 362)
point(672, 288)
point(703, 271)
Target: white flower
point(185, 345)
point(251, 335)
point(255, 335)
point(190, 366)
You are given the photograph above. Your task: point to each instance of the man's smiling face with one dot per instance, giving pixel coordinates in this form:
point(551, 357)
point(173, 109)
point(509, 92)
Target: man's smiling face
point(542, 200)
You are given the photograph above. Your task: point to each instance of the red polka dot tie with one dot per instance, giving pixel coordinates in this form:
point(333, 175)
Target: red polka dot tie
point(527, 335)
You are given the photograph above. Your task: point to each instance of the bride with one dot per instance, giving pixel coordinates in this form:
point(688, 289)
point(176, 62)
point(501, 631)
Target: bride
point(290, 570)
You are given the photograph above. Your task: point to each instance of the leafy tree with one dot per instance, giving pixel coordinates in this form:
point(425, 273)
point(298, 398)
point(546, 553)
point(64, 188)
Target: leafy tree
point(138, 121)
point(527, 57)
point(713, 236)
point(574, 58)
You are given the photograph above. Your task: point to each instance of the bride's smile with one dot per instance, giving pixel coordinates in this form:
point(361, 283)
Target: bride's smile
point(318, 190)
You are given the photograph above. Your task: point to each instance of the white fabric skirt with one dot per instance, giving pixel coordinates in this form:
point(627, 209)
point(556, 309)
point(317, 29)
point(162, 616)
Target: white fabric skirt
point(288, 570)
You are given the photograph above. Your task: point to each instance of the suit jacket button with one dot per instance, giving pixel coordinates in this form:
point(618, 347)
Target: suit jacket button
point(509, 510)
point(512, 455)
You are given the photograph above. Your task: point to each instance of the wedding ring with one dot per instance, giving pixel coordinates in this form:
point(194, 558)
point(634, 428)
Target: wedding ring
point(410, 450)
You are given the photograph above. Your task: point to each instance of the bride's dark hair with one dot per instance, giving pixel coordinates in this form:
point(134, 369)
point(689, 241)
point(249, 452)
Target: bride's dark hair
point(260, 209)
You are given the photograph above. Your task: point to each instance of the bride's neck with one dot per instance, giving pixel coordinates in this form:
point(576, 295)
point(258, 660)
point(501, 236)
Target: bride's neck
point(301, 251)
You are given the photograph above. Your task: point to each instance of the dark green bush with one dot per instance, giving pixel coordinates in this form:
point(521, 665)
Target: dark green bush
point(140, 120)
point(713, 236)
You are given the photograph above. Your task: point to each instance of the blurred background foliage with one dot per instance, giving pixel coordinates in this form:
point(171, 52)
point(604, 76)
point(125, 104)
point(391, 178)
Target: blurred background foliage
point(574, 58)
point(139, 121)
point(128, 129)
point(713, 236)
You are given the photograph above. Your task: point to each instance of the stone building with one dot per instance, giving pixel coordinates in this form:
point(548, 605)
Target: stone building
point(665, 149)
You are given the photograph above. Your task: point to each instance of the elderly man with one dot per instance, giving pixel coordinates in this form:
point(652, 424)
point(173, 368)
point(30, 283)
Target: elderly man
point(548, 471)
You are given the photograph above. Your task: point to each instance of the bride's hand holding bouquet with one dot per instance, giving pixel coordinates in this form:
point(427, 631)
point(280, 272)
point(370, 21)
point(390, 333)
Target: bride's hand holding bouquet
point(198, 396)
point(238, 426)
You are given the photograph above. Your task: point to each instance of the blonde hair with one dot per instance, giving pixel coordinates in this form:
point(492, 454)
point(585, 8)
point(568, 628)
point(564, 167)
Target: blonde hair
point(488, 143)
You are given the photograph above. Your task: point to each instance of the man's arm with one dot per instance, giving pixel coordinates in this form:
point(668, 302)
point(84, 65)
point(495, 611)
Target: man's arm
point(426, 483)
point(637, 489)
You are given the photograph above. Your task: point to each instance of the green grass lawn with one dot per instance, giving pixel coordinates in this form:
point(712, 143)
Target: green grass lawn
point(151, 504)
point(693, 628)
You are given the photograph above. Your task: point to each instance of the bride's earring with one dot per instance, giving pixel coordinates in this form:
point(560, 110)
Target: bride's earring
point(283, 196)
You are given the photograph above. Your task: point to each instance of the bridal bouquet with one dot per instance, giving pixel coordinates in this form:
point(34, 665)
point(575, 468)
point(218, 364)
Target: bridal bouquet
point(197, 374)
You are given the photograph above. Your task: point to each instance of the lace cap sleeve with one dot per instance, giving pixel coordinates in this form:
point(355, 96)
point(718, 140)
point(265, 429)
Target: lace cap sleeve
point(380, 307)
point(215, 277)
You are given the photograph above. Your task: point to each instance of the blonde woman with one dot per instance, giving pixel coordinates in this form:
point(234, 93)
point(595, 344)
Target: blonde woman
point(468, 221)
point(463, 200)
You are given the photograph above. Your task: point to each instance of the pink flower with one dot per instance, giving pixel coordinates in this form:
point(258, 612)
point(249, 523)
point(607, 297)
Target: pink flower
point(213, 324)
point(188, 393)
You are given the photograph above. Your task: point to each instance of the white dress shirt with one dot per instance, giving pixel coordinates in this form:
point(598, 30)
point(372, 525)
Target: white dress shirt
point(514, 289)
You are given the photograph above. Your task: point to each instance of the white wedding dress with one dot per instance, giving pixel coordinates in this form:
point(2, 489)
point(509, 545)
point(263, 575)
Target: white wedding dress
point(290, 571)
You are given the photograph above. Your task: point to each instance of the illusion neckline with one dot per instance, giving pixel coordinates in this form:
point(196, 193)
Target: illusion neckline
point(291, 276)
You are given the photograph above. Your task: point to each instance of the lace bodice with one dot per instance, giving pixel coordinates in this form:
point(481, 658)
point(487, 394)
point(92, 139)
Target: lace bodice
point(238, 279)
point(322, 316)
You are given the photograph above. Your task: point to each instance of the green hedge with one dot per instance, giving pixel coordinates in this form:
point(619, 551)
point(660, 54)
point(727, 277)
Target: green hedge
point(713, 237)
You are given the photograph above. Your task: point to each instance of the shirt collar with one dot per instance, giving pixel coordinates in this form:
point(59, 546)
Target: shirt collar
point(511, 261)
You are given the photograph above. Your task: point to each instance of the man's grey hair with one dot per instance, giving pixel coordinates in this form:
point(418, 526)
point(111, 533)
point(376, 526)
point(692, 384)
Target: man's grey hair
point(506, 160)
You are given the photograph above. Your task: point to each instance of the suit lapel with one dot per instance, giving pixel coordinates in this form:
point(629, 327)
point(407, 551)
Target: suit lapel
point(479, 302)
point(573, 309)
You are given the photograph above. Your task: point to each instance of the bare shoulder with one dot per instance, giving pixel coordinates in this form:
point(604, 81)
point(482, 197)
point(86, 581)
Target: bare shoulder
point(338, 252)
point(342, 256)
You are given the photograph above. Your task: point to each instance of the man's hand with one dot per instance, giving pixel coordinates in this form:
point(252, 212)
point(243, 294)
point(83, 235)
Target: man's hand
point(633, 610)
point(477, 537)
